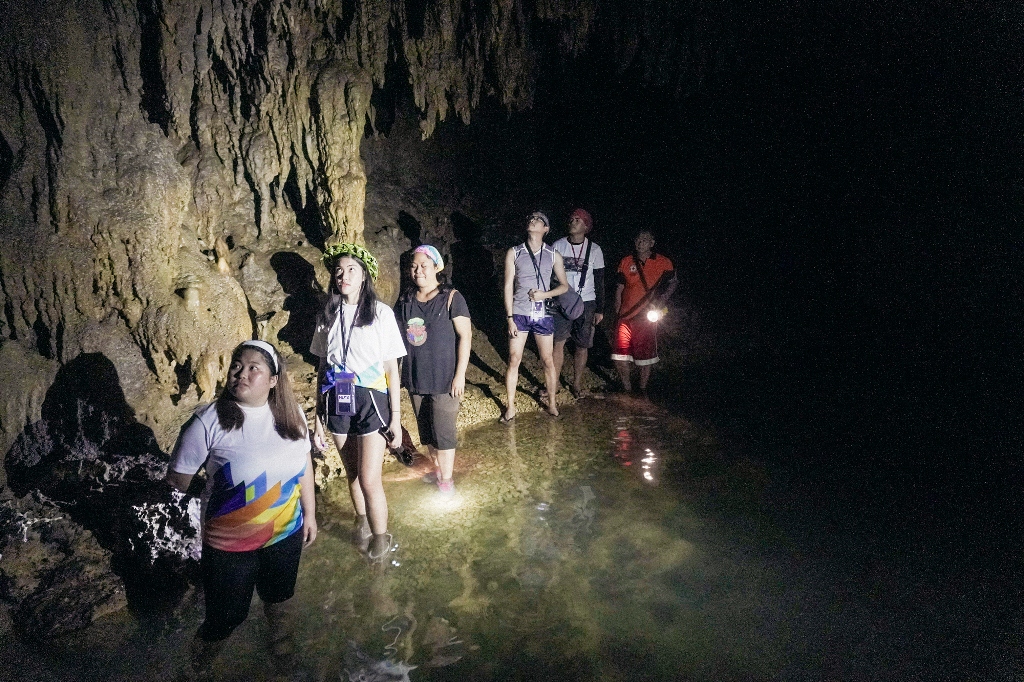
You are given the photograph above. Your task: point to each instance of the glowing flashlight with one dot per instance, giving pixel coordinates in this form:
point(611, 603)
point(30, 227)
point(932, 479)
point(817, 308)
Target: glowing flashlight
point(655, 314)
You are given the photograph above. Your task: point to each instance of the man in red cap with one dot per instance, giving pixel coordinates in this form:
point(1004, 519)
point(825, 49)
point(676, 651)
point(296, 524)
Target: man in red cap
point(584, 267)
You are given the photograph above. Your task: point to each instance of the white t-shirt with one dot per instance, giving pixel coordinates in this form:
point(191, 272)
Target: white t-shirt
point(368, 348)
point(251, 499)
point(572, 257)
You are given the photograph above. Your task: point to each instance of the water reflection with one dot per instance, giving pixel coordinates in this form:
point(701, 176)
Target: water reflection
point(634, 441)
point(555, 560)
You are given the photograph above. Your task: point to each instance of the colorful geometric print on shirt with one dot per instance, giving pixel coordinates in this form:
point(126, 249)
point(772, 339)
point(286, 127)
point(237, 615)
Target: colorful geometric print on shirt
point(242, 517)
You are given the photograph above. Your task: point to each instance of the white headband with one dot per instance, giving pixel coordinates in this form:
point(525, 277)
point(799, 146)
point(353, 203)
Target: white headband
point(267, 348)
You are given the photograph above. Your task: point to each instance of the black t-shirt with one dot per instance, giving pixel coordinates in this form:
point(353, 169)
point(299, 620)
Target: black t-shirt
point(431, 342)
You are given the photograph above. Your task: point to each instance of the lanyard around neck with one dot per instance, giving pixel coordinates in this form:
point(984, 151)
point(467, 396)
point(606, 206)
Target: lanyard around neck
point(572, 247)
point(536, 267)
point(346, 339)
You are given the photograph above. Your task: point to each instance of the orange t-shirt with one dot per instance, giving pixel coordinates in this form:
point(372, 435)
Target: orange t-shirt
point(654, 267)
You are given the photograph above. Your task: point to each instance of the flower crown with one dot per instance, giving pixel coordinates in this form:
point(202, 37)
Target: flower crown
point(336, 251)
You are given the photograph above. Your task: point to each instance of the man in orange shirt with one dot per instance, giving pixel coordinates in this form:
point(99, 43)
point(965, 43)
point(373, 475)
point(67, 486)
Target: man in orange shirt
point(646, 280)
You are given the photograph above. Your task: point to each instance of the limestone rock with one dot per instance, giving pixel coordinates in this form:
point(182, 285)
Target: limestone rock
point(103, 469)
point(53, 575)
point(24, 379)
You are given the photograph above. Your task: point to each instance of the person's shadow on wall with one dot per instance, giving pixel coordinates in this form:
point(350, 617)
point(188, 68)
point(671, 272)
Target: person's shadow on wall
point(302, 301)
point(92, 458)
point(473, 274)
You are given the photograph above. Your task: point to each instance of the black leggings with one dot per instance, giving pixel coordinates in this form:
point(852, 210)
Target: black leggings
point(230, 577)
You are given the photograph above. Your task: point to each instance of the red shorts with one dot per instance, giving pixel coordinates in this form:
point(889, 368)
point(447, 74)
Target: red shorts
point(636, 340)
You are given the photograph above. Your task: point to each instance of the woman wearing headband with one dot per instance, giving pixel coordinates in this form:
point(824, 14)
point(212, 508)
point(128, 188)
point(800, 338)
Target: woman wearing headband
point(358, 342)
point(438, 335)
point(258, 504)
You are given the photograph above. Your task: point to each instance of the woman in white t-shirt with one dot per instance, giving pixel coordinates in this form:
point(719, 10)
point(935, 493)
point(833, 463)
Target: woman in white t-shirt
point(358, 342)
point(258, 505)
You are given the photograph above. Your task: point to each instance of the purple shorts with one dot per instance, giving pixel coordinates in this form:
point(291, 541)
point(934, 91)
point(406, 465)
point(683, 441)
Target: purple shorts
point(545, 326)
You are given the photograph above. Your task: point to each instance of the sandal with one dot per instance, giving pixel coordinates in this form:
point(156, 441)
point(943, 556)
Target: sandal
point(506, 420)
point(380, 556)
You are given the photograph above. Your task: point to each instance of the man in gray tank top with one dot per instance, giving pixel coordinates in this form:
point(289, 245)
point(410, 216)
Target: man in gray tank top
point(528, 270)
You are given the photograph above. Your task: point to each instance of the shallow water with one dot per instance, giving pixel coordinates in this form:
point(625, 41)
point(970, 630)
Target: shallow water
point(615, 543)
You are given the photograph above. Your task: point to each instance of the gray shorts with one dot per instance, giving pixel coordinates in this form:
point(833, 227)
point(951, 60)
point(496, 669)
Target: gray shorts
point(581, 329)
point(435, 417)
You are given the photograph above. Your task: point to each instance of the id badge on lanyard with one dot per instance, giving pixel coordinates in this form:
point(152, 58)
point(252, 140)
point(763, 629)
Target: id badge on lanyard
point(538, 310)
point(343, 403)
point(344, 394)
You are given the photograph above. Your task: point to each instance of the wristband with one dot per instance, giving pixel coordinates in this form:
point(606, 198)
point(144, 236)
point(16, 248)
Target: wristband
point(508, 317)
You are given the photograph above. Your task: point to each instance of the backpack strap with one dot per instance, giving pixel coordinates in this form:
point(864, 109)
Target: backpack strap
point(451, 295)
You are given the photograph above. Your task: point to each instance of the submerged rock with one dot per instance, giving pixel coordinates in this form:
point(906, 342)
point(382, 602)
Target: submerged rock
point(361, 667)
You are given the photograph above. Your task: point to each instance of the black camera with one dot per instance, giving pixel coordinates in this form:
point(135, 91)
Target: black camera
point(401, 453)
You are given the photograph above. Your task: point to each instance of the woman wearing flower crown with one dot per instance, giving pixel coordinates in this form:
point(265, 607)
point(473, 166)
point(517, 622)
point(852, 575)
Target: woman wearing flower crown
point(359, 343)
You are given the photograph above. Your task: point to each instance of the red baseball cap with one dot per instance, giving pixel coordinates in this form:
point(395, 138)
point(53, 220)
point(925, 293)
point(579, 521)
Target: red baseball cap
point(583, 215)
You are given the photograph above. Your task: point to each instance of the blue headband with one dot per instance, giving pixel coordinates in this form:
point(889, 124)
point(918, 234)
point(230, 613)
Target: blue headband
point(432, 253)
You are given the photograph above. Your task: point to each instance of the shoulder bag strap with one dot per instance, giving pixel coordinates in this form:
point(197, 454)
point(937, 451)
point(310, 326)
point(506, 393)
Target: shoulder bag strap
point(643, 299)
point(640, 271)
point(586, 264)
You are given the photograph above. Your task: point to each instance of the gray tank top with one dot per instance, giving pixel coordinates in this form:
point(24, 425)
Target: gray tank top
point(527, 277)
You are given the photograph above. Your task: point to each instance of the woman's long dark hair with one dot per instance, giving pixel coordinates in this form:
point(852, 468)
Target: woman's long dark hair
point(289, 421)
point(366, 306)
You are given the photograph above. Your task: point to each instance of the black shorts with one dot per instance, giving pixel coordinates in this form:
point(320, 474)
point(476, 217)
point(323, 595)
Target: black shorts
point(436, 415)
point(366, 419)
point(230, 577)
point(581, 329)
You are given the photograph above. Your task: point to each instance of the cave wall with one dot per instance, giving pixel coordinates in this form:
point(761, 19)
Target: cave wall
point(156, 157)
point(169, 173)
point(139, 136)
point(169, 176)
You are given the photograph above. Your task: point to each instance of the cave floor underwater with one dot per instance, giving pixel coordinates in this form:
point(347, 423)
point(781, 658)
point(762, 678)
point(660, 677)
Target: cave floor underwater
point(615, 543)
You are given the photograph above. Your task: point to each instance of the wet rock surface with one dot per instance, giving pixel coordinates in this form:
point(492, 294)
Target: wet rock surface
point(100, 471)
point(54, 576)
